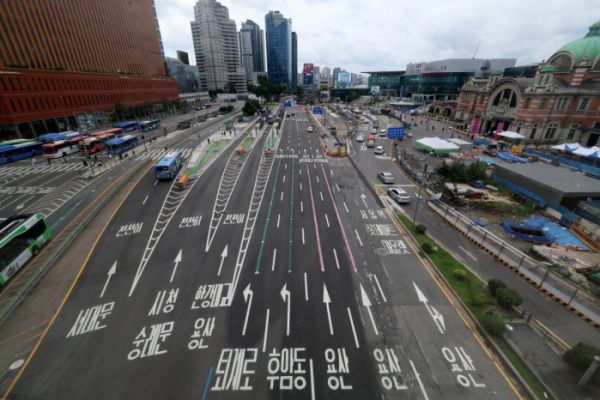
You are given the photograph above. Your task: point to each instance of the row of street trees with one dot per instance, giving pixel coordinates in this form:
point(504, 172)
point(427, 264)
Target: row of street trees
point(147, 109)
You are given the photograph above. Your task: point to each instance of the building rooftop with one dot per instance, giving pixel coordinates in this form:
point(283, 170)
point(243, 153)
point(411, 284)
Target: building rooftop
point(383, 72)
point(565, 181)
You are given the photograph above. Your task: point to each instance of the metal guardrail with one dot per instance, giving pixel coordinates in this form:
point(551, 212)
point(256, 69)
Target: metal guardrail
point(56, 247)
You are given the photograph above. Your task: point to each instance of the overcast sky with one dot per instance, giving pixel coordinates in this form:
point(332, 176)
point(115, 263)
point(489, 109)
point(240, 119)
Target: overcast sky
point(381, 35)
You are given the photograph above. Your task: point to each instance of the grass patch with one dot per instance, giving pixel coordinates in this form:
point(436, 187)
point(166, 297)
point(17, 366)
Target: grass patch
point(531, 379)
point(272, 141)
point(248, 142)
point(210, 153)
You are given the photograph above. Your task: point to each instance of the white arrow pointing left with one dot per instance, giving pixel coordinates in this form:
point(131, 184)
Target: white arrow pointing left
point(112, 271)
point(177, 260)
point(247, 294)
point(437, 317)
point(285, 294)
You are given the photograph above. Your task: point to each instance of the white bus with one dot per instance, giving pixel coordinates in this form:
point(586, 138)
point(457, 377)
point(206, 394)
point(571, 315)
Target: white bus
point(61, 148)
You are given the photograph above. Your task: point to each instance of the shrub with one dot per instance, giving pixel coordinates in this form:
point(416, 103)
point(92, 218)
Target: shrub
point(460, 274)
point(581, 356)
point(595, 291)
point(508, 298)
point(420, 229)
point(495, 284)
point(493, 323)
point(428, 248)
point(477, 301)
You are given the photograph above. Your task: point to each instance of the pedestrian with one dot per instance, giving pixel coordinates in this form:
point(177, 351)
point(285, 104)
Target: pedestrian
point(166, 147)
point(473, 137)
point(49, 161)
point(208, 140)
point(33, 162)
point(432, 127)
point(126, 155)
point(84, 163)
point(110, 156)
point(133, 151)
point(66, 160)
point(120, 156)
point(96, 158)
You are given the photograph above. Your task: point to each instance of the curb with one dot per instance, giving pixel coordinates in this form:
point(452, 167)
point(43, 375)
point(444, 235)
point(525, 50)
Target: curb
point(522, 275)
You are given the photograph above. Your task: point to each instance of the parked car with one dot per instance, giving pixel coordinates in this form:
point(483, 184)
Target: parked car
point(399, 195)
point(379, 150)
point(386, 177)
point(360, 138)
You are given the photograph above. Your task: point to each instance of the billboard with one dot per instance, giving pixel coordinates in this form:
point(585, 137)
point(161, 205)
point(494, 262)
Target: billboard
point(345, 78)
point(308, 72)
point(324, 84)
point(374, 89)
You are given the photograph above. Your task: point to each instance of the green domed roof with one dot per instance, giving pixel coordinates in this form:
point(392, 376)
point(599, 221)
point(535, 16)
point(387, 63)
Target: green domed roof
point(497, 72)
point(548, 68)
point(586, 46)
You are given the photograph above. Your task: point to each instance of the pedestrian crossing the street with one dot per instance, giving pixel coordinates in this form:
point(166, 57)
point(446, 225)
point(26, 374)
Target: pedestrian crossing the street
point(158, 153)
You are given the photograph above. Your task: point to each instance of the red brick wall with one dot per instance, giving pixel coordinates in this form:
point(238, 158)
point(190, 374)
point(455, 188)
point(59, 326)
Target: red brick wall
point(28, 95)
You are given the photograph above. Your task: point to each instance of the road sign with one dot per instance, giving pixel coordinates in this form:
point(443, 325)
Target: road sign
point(395, 133)
point(288, 104)
point(317, 111)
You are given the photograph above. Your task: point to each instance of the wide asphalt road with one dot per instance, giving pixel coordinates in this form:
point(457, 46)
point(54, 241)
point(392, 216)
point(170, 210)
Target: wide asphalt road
point(269, 277)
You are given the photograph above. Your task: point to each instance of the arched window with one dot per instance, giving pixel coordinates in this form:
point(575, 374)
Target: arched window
point(561, 63)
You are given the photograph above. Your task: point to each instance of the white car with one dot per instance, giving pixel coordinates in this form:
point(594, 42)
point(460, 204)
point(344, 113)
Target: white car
point(399, 195)
point(360, 138)
point(309, 129)
point(382, 132)
point(379, 150)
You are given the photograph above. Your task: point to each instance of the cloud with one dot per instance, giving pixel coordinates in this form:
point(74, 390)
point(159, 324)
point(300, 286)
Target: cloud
point(386, 35)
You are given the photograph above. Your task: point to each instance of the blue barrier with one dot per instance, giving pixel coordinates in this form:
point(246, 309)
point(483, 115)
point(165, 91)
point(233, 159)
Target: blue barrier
point(585, 163)
point(519, 190)
point(481, 142)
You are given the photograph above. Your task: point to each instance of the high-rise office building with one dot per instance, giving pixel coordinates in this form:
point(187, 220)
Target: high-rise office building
point(294, 59)
point(183, 57)
point(279, 48)
point(317, 70)
point(162, 49)
point(68, 80)
point(216, 47)
point(336, 73)
point(252, 53)
point(187, 76)
point(325, 74)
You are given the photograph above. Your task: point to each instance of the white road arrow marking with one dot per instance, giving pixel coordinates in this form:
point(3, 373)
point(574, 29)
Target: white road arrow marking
point(367, 303)
point(327, 300)
point(177, 260)
point(363, 197)
point(292, 150)
point(286, 293)
point(247, 293)
point(223, 255)
point(437, 317)
point(112, 271)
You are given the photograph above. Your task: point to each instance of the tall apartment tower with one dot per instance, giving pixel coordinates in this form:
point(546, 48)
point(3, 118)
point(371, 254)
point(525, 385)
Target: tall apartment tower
point(252, 45)
point(216, 47)
point(279, 48)
point(64, 64)
point(325, 74)
point(294, 60)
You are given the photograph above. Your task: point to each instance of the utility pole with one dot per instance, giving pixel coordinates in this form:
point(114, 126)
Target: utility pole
point(420, 187)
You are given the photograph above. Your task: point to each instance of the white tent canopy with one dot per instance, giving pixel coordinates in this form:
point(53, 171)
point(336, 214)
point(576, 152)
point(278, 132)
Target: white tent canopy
point(437, 145)
point(510, 135)
point(591, 152)
point(566, 146)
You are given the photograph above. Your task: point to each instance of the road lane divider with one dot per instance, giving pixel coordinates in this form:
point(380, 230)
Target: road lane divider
point(262, 243)
point(312, 200)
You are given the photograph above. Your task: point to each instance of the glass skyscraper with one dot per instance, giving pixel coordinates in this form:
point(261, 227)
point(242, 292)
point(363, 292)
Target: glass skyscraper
point(279, 48)
point(294, 60)
point(252, 54)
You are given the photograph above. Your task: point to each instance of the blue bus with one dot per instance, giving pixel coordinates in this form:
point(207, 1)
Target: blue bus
point(270, 118)
point(127, 126)
point(53, 137)
point(14, 152)
point(149, 125)
point(169, 166)
point(119, 145)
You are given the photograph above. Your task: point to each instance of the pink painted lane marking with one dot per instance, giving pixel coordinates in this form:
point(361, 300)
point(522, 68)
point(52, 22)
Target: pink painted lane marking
point(339, 220)
point(312, 200)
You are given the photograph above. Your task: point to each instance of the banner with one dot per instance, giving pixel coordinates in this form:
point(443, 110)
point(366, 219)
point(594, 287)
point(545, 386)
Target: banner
point(499, 128)
point(475, 125)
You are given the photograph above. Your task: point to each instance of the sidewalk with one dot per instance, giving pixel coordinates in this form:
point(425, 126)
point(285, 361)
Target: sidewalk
point(548, 365)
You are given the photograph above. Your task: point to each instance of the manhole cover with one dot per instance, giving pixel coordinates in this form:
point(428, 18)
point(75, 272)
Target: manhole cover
point(382, 252)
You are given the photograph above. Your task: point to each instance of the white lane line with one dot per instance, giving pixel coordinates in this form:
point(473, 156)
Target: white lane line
point(336, 259)
point(302, 235)
point(338, 188)
point(331, 172)
point(281, 196)
point(358, 237)
point(321, 196)
point(145, 200)
point(312, 381)
point(305, 287)
point(327, 219)
point(300, 171)
point(267, 330)
point(284, 178)
point(278, 218)
point(418, 380)
point(274, 255)
point(301, 207)
point(155, 182)
point(317, 179)
point(379, 286)
point(285, 166)
point(353, 330)
point(300, 186)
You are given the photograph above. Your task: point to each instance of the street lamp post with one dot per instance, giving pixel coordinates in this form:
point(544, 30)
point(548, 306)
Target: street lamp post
point(420, 187)
point(81, 134)
point(63, 112)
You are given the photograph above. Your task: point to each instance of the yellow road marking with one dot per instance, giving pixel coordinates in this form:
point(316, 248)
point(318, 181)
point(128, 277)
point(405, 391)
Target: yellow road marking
point(12, 385)
point(552, 333)
point(19, 334)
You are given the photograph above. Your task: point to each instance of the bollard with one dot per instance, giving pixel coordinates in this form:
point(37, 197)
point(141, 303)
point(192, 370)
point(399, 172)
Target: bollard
point(590, 371)
point(240, 150)
point(182, 181)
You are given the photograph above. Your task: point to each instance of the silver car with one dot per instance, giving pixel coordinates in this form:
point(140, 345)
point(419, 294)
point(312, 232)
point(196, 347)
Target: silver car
point(379, 150)
point(386, 177)
point(360, 138)
point(399, 195)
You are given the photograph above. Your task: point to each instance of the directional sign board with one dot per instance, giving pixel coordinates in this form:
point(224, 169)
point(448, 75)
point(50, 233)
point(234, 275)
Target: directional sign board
point(395, 133)
point(317, 111)
point(288, 104)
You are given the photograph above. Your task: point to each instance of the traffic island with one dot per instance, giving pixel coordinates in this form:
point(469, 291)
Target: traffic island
point(212, 151)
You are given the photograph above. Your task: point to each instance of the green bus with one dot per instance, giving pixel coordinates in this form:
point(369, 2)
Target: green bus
point(21, 237)
point(16, 141)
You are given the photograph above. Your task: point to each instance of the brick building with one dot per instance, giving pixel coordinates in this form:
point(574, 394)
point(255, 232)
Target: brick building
point(62, 64)
point(561, 103)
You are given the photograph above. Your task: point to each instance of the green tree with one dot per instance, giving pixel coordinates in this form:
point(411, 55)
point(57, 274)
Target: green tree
point(298, 91)
point(251, 107)
point(352, 96)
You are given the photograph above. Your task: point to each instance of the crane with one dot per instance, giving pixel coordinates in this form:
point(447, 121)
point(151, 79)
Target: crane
point(476, 49)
